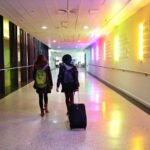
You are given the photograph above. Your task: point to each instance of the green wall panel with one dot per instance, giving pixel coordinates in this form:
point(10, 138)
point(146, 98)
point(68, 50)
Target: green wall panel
point(2, 81)
point(7, 56)
point(7, 63)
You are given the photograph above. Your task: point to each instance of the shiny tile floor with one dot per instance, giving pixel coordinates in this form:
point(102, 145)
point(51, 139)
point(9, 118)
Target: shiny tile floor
point(113, 122)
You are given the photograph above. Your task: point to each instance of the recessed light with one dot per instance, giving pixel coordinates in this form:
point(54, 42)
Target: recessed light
point(54, 41)
point(44, 27)
point(85, 27)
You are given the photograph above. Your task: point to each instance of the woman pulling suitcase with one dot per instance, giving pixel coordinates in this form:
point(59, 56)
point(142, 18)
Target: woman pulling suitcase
point(68, 78)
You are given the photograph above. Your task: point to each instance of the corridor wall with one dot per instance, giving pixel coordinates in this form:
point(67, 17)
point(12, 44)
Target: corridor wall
point(122, 57)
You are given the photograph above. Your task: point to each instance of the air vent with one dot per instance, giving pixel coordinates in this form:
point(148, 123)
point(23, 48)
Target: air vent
point(67, 11)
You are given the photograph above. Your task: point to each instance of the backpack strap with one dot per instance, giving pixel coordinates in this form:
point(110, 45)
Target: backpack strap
point(44, 68)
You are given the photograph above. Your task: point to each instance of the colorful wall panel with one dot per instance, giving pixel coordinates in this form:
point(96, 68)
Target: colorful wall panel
point(7, 56)
point(2, 79)
point(23, 57)
point(14, 55)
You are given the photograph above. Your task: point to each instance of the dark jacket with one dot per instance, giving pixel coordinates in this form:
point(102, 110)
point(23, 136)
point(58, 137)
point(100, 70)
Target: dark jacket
point(49, 85)
point(68, 87)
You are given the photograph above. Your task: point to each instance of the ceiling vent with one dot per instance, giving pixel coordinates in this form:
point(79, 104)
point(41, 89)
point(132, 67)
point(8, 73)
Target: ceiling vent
point(67, 10)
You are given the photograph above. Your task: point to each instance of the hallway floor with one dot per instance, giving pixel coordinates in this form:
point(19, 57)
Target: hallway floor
point(113, 122)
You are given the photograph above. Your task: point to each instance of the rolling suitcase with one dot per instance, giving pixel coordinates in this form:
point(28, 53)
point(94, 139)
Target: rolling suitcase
point(77, 116)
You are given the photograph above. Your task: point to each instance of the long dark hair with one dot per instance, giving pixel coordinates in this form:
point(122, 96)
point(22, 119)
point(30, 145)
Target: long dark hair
point(40, 61)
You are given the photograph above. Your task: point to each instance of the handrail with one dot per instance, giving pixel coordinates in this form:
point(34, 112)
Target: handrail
point(16, 67)
point(124, 70)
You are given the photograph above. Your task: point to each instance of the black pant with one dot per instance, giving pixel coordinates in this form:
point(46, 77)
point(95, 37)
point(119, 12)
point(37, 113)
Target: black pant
point(41, 97)
point(69, 98)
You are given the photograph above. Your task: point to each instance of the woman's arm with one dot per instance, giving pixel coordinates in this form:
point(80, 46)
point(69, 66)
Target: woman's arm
point(60, 76)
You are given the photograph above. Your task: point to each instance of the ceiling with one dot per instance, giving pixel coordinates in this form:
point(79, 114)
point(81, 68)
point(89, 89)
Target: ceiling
point(65, 19)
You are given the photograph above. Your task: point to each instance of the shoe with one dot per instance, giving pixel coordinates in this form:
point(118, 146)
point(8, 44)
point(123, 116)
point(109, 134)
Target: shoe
point(42, 113)
point(46, 109)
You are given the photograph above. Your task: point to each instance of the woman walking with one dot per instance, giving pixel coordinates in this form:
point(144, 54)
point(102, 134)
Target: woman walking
point(43, 82)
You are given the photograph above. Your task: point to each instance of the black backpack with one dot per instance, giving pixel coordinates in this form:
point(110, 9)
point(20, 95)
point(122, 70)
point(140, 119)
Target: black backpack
point(68, 76)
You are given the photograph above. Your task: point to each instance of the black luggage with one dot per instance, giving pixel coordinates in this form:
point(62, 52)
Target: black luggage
point(77, 116)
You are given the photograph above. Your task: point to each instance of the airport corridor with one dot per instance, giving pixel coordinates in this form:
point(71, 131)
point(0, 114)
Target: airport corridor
point(113, 123)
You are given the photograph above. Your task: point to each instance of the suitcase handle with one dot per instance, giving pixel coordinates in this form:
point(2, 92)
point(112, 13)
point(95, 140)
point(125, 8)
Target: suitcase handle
point(78, 99)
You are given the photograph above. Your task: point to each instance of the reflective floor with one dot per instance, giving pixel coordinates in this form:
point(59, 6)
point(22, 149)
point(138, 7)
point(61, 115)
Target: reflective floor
point(113, 122)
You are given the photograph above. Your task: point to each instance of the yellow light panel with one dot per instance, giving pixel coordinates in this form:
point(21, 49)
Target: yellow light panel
point(6, 28)
point(116, 48)
point(141, 41)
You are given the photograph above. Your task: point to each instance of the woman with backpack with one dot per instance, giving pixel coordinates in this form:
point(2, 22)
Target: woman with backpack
point(43, 82)
point(68, 78)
